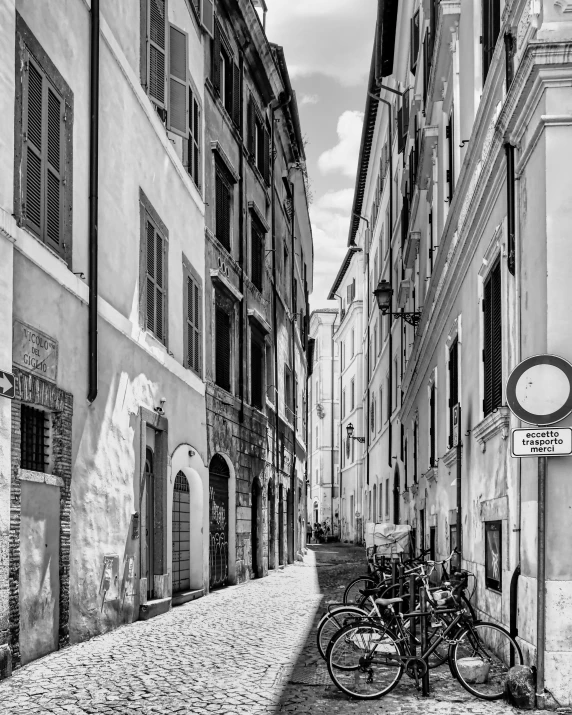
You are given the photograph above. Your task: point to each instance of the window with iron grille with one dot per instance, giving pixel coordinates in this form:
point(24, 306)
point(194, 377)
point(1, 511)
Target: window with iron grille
point(223, 208)
point(192, 306)
point(257, 256)
point(44, 111)
point(453, 384)
point(493, 555)
point(223, 348)
point(35, 439)
point(257, 350)
point(492, 350)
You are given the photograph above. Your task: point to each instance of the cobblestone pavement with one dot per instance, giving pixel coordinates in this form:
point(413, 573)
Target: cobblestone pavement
point(245, 650)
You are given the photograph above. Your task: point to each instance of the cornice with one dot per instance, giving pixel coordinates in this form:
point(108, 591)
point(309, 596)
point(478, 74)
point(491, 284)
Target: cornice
point(497, 422)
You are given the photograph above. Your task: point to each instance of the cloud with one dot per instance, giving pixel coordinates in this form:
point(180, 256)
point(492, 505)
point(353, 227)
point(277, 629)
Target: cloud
point(340, 201)
point(344, 156)
point(308, 99)
point(328, 37)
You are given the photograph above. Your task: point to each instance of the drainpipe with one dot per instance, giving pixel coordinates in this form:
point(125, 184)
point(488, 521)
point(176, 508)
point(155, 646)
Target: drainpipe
point(93, 200)
point(241, 329)
point(332, 429)
point(541, 584)
point(293, 363)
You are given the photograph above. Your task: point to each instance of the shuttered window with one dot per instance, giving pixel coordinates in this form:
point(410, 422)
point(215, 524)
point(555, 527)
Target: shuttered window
point(258, 140)
point(414, 39)
point(193, 301)
point(288, 393)
point(156, 289)
point(156, 50)
point(178, 110)
point(257, 256)
point(42, 156)
point(193, 160)
point(257, 352)
point(222, 348)
point(492, 351)
point(453, 384)
point(226, 76)
point(223, 199)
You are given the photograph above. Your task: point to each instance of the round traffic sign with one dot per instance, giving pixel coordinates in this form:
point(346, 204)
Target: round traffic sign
point(539, 390)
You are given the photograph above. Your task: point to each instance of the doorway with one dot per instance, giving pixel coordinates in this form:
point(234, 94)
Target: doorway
point(256, 528)
point(149, 495)
point(290, 524)
point(396, 497)
point(280, 525)
point(271, 526)
point(181, 534)
point(219, 475)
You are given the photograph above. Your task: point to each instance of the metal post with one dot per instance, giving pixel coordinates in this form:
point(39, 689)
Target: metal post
point(393, 572)
point(423, 623)
point(541, 583)
point(459, 501)
point(413, 621)
point(401, 578)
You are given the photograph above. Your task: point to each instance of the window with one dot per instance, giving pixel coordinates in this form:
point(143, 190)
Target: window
point(414, 41)
point(223, 199)
point(352, 344)
point(226, 75)
point(178, 110)
point(449, 135)
point(492, 352)
point(432, 543)
point(493, 555)
point(34, 445)
point(342, 356)
point(222, 347)
point(405, 464)
point(374, 503)
point(317, 477)
point(193, 158)
point(317, 439)
point(259, 145)
point(352, 394)
point(388, 398)
point(387, 498)
point(155, 43)
point(453, 384)
point(421, 530)
point(415, 442)
point(380, 409)
point(154, 274)
point(288, 393)
point(372, 414)
point(491, 28)
point(343, 403)
point(43, 179)
point(192, 324)
point(257, 256)
point(452, 537)
point(432, 427)
point(257, 350)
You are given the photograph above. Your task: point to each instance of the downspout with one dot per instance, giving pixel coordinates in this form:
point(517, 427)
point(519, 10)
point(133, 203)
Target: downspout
point(241, 330)
point(293, 363)
point(332, 427)
point(93, 201)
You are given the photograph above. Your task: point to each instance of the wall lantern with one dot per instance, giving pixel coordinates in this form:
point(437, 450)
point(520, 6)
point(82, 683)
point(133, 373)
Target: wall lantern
point(383, 294)
point(350, 431)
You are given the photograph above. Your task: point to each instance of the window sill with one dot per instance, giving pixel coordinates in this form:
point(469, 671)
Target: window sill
point(431, 474)
point(28, 475)
point(497, 422)
point(450, 457)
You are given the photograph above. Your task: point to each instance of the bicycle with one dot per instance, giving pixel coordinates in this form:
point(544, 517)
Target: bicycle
point(367, 660)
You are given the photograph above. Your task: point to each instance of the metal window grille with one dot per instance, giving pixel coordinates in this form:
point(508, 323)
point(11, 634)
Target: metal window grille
point(492, 352)
point(493, 555)
point(34, 427)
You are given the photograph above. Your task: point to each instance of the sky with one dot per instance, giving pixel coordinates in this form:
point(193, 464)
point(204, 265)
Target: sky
point(327, 44)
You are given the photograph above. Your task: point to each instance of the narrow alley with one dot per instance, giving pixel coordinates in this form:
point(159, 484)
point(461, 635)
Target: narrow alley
point(244, 650)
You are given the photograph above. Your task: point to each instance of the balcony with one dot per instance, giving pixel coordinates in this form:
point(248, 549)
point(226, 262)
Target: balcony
point(447, 23)
point(411, 249)
point(429, 139)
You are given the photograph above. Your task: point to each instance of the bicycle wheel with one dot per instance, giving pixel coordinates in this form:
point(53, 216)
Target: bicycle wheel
point(482, 656)
point(371, 658)
point(334, 621)
point(353, 595)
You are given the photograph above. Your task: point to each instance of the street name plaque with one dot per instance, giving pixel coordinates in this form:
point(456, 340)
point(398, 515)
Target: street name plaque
point(551, 442)
point(34, 351)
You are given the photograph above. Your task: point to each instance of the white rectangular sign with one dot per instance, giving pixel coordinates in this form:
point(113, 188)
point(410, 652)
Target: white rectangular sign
point(541, 442)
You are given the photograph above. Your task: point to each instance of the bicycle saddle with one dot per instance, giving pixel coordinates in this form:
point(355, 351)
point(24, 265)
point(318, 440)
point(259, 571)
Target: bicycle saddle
point(388, 601)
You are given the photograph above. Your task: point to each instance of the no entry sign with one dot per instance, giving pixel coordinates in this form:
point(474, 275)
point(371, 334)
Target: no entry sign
point(545, 442)
point(539, 390)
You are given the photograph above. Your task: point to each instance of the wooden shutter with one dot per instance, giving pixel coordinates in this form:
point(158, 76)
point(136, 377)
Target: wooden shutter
point(237, 95)
point(492, 352)
point(250, 128)
point(53, 170)
point(207, 16)
point(222, 348)
point(155, 282)
point(156, 41)
point(32, 165)
point(257, 250)
point(266, 164)
point(194, 144)
point(222, 211)
point(193, 319)
point(216, 57)
point(256, 371)
point(178, 112)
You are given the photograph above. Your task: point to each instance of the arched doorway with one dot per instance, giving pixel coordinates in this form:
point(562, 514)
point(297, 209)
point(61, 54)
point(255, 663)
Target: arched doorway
point(256, 528)
point(281, 525)
point(271, 526)
point(218, 516)
point(181, 534)
point(396, 497)
point(149, 486)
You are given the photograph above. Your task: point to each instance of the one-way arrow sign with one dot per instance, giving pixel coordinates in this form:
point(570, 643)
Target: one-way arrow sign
point(6, 385)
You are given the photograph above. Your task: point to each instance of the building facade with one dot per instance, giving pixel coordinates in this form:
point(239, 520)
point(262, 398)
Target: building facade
point(323, 424)
point(259, 267)
point(463, 188)
point(113, 454)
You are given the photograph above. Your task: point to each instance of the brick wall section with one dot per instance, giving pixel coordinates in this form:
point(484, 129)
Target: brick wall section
point(30, 389)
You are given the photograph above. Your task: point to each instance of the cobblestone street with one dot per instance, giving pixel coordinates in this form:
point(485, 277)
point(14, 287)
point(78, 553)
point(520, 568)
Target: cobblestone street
point(246, 650)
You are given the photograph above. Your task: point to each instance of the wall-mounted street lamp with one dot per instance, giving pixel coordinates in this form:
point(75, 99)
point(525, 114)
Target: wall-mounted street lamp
point(383, 294)
point(350, 431)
